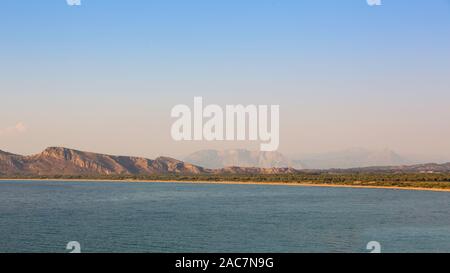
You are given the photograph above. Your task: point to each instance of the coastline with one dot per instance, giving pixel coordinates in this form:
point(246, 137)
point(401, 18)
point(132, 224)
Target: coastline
point(291, 184)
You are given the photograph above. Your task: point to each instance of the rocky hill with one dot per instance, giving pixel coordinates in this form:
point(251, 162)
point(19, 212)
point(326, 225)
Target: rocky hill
point(57, 161)
point(63, 161)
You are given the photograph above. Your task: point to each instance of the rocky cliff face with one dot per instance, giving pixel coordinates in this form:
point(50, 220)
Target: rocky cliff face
point(10, 163)
point(63, 161)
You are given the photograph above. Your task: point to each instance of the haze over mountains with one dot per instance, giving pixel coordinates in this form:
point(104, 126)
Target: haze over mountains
point(214, 159)
point(63, 161)
point(351, 158)
point(354, 158)
point(57, 161)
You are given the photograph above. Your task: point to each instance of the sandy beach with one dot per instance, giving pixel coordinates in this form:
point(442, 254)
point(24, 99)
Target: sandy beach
point(291, 184)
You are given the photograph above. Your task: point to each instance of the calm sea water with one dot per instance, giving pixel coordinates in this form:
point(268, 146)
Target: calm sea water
point(44, 216)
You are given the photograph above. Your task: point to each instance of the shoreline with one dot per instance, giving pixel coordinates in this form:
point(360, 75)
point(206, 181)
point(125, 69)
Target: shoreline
point(290, 184)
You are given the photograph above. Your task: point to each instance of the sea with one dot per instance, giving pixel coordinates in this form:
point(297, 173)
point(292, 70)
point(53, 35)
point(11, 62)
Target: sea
point(45, 216)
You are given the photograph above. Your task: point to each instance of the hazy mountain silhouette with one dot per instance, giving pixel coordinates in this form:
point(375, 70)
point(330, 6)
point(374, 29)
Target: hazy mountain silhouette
point(215, 159)
point(353, 158)
point(57, 161)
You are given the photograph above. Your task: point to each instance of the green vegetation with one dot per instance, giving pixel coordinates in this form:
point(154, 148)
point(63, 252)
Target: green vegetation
point(419, 180)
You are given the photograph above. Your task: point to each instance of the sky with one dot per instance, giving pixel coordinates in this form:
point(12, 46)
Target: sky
point(105, 75)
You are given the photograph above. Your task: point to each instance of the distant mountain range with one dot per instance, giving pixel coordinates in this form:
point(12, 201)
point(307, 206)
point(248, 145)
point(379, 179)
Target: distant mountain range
point(417, 168)
point(354, 158)
point(351, 158)
point(56, 161)
point(214, 159)
point(63, 161)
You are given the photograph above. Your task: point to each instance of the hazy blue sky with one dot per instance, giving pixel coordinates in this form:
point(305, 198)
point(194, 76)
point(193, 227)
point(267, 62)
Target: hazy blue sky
point(104, 76)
